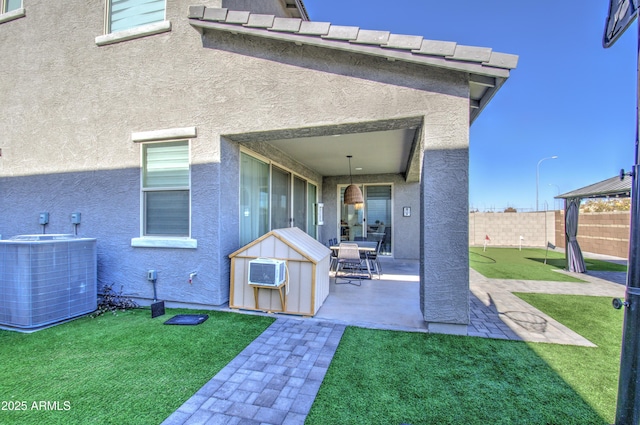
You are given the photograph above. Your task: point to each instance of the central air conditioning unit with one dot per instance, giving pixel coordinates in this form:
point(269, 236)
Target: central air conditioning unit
point(267, 272)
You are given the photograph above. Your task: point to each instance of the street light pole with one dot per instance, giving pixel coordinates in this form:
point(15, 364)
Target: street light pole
point(538, 176)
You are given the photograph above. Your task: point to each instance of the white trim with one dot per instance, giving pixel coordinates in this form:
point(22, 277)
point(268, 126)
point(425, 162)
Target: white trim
point(14, 14)
point(132, 33)
point(151, 242)
point(167, 134)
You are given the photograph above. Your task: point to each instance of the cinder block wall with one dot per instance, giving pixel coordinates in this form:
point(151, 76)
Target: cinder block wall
point(602, 233)
point(505, 229)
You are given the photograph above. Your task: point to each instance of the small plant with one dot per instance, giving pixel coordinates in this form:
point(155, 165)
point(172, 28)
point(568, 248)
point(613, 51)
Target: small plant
point(112, 301)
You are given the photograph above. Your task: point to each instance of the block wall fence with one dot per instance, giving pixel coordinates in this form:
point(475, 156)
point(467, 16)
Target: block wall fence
point(601, 233)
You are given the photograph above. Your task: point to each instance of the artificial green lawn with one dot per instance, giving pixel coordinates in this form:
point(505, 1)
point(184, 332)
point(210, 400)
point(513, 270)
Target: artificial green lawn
point(116, 369)
point(593, 373)
point(130, 368)
point(386, 377)
point(528, 264)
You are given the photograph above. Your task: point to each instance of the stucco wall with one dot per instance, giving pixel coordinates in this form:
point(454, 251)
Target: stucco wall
point(70, 107)
point(444, 251)
point(265, 7)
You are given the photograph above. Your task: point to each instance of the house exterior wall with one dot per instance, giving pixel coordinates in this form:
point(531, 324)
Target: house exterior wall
point(69, 110)
point(444, 255)
point(265, 7)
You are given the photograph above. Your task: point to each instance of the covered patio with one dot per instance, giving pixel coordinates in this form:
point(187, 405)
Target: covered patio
point(399, 106)
point(392, 303)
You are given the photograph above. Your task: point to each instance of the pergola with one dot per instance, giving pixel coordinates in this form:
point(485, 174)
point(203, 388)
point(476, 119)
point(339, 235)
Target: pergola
point(614, 187)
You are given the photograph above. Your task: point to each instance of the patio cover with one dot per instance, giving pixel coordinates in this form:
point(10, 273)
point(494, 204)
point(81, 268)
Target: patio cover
point(612, 187)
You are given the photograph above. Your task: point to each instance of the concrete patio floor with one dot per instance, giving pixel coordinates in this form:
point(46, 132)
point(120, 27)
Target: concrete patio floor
point(392, 302)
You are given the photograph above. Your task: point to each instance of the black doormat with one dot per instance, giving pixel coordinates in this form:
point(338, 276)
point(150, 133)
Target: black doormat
point(187, 319)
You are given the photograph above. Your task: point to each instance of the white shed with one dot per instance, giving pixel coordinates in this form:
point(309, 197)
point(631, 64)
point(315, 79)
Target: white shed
point(307, 263)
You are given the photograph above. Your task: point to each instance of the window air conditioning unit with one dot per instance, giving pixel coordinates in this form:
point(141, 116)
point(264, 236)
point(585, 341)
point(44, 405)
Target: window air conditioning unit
point(267, 272)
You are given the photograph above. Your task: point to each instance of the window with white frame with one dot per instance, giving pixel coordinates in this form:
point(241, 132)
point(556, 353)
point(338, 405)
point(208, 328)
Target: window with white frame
point(127, 14)
point(166, 187)
point(10, 5)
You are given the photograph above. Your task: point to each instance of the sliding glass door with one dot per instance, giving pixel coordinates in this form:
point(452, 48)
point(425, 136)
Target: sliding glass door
point(300, 203)
point(370, 222)
point(280, 198)
point(377, 207)
point(273, 198)
point(254, 198)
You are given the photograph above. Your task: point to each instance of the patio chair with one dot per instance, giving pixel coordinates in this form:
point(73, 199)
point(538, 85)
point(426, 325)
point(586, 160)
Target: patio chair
point(349, 263)
point(373, 259)
point(334, 254)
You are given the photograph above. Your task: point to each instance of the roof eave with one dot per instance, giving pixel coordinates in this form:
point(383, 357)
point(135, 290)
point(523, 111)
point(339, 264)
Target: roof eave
point(389, 54)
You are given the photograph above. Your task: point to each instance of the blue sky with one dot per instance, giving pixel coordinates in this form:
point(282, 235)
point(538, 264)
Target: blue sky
point(568, 96)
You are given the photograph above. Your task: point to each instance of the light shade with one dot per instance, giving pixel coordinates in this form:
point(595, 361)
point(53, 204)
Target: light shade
point(353, 195)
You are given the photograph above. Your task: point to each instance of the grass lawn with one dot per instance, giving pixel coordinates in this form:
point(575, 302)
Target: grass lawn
point(528, 264)
point(385, 377)
point(116, 369)
point(595, 376)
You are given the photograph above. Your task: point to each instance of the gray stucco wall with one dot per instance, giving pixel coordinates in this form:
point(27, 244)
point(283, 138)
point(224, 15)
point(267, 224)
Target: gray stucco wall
point(265, 7)
point(69, 109)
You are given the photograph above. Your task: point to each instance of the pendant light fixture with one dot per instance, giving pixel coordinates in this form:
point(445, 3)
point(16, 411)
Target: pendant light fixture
point(352, 194)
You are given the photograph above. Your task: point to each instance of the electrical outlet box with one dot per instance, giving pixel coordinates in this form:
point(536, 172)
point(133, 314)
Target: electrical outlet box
point(75, 218)
point(44, 218)
point(152, 275)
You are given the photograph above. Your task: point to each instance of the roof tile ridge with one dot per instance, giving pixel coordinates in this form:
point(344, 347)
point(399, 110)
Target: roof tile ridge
point(257, 20)
point(286, 24)
point(342, 32)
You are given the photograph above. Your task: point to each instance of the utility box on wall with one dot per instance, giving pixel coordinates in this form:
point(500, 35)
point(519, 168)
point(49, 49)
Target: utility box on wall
point(307, 263)
point(45, 279)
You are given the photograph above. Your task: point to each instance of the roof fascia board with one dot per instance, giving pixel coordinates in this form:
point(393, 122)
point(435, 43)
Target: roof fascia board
point(392, 55)
point(486, 98)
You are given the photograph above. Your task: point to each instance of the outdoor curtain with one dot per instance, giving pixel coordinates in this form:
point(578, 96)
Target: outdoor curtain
point(575, 260)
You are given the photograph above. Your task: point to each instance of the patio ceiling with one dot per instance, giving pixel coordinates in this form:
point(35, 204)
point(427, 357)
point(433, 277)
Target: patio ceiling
point(378, 152)
point(378, 147)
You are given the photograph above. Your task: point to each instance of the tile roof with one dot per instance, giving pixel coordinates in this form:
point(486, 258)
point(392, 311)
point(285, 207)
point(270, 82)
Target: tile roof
point(387, 42)
point(488, 70)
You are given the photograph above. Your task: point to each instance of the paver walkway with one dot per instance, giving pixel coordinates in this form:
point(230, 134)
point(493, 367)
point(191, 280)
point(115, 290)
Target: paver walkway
point(272, 381)
point(497, 313)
